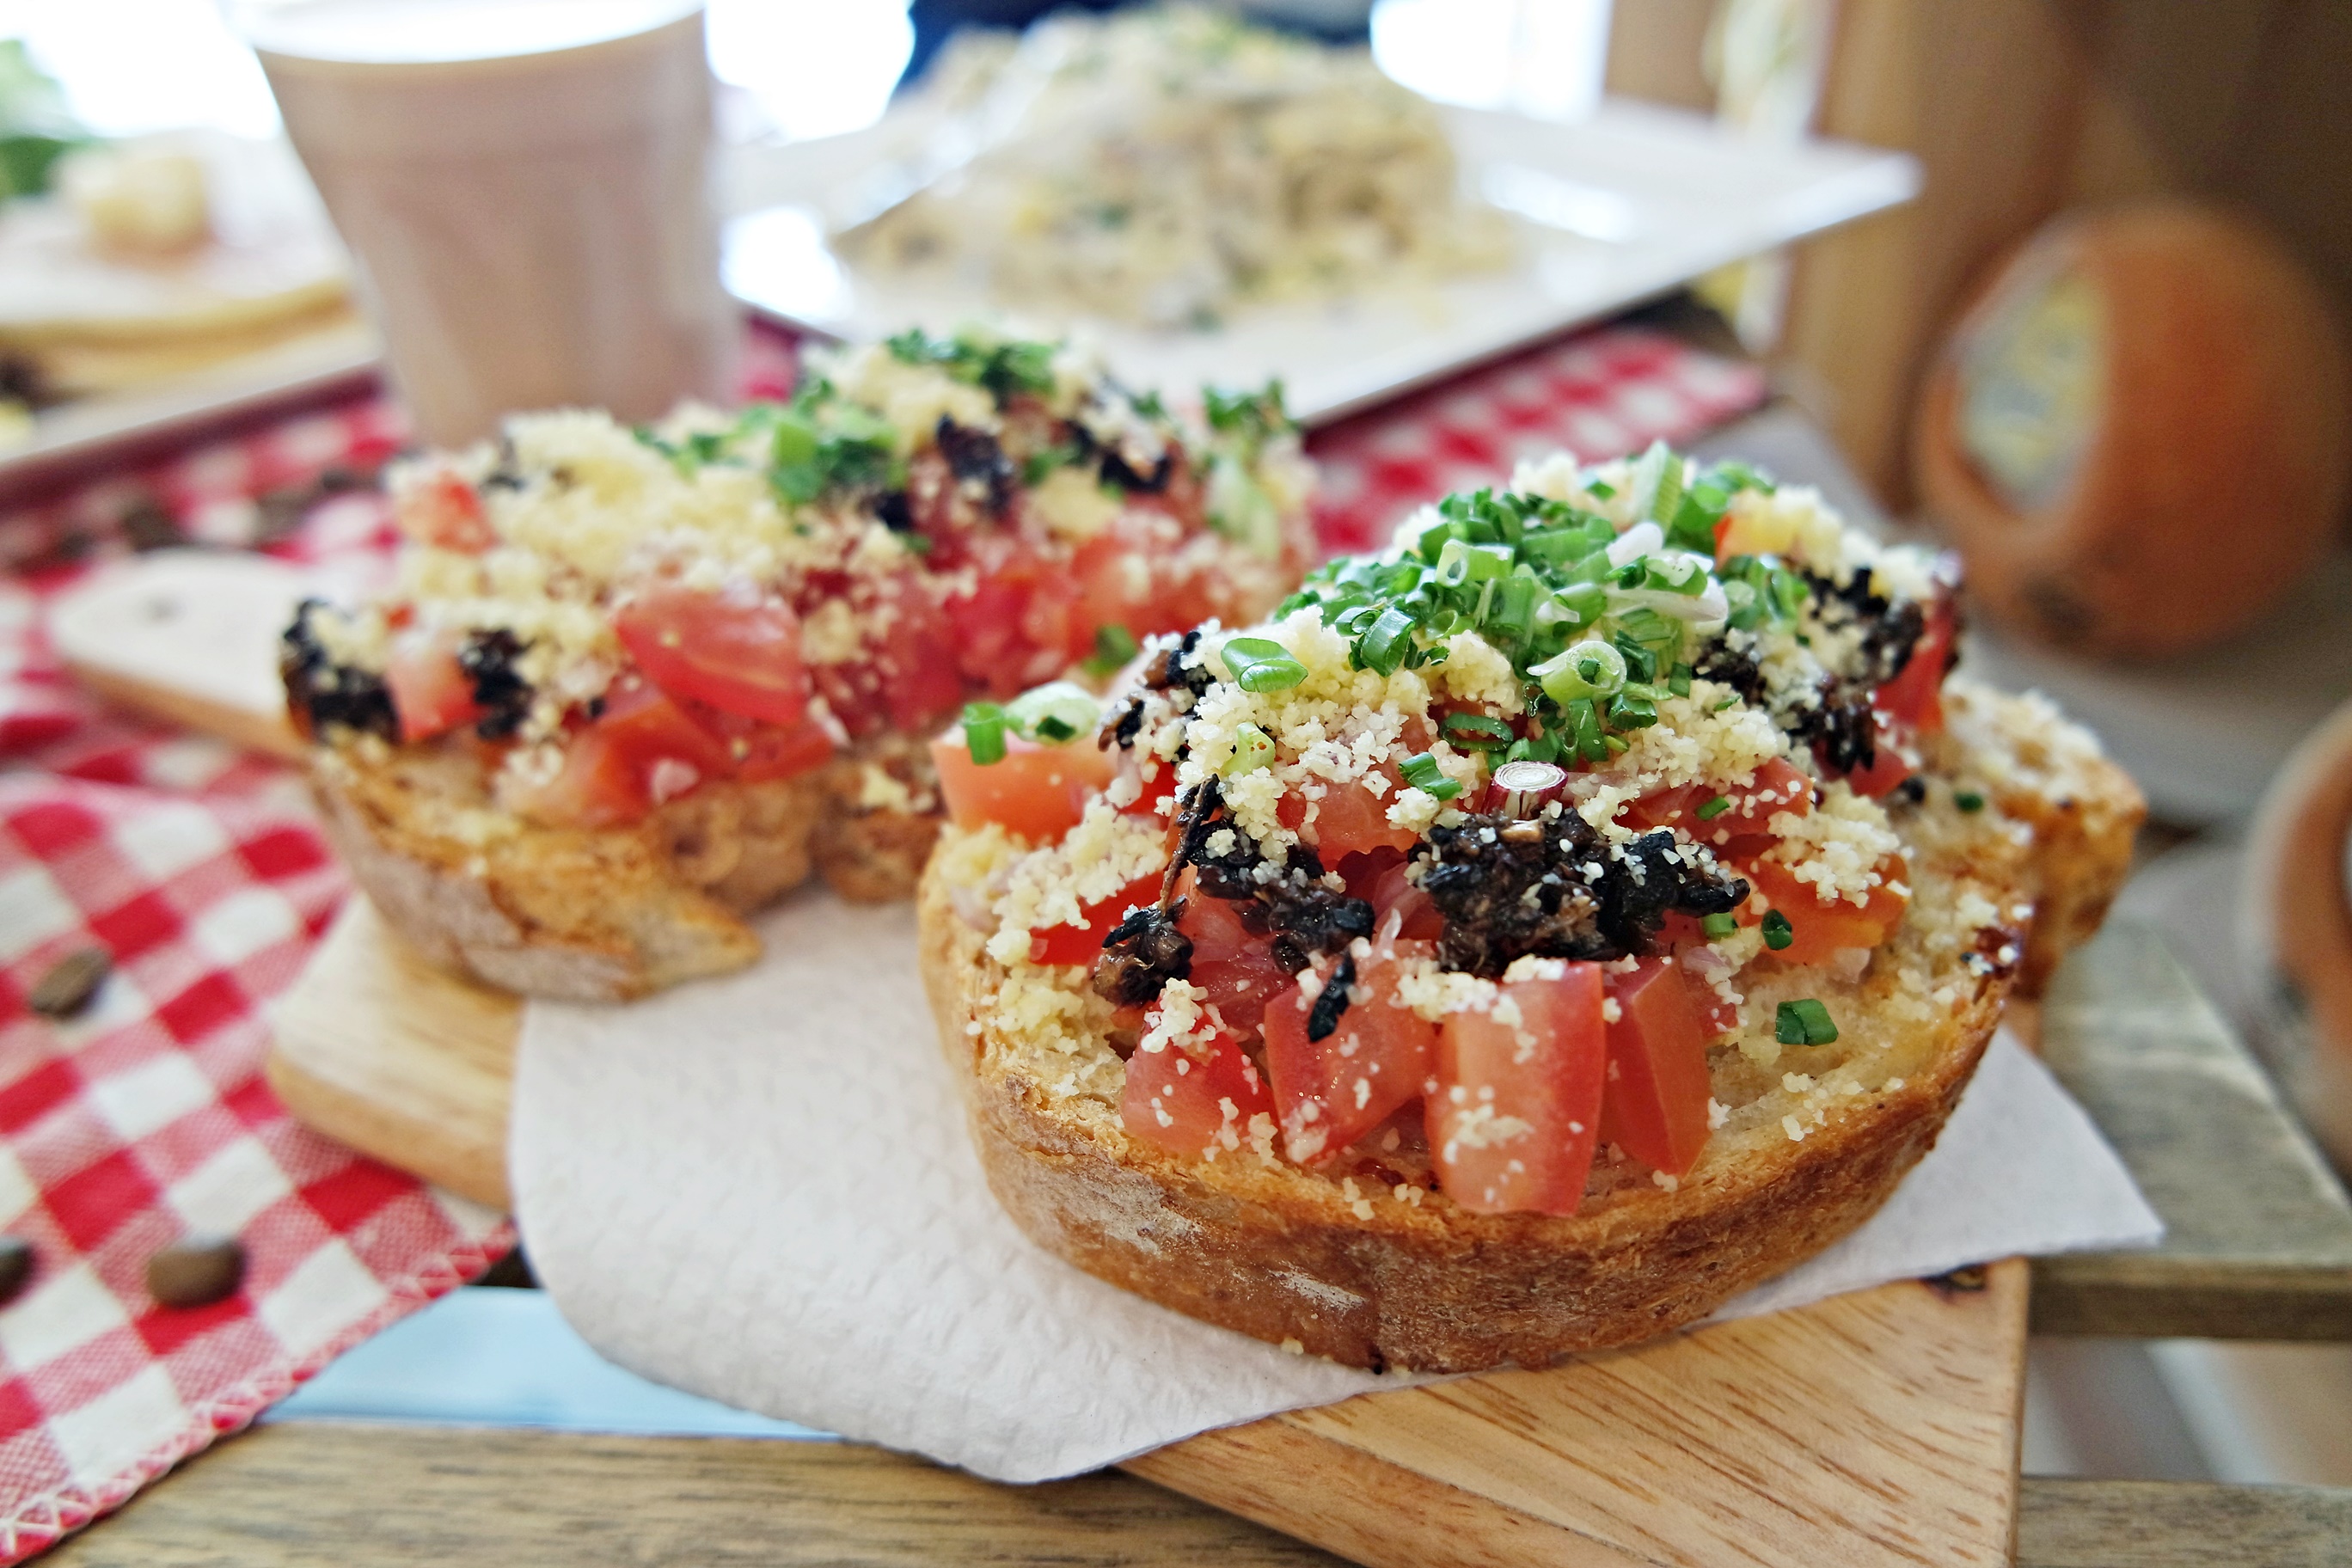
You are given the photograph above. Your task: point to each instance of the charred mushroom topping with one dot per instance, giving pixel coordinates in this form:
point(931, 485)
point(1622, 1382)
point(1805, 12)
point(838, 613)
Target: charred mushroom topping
point(1651, 877)
point(1142, 954)
point(1173, 670)
point(324, 694)
point(1179, 667)
point(1842, 727)
point(1289, 898)
point(487, 658)
point(976, 457)
point(1115, 470)
point(508, 475)
point(1890, 628)
point(1506, 892)
point(1735, 667)
point(1331, 1001)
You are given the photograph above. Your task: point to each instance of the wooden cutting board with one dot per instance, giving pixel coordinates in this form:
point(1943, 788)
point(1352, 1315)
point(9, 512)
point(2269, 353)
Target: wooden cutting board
point(1879, 1427)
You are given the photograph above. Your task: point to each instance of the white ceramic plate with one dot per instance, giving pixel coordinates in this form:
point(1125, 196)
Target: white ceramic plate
point(1610, 210)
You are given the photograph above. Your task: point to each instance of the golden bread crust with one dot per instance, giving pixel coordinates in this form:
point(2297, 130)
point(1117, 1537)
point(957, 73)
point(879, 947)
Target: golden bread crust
point(589, 915)
point(1374, 1277)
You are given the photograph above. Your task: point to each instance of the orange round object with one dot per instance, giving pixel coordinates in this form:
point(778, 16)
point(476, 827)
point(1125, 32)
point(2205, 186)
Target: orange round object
point(2140, 433)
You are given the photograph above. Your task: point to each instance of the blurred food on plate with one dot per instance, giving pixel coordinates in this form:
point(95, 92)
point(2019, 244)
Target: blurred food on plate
point(1163, 165)
point(124, 263)
point(2139, 434)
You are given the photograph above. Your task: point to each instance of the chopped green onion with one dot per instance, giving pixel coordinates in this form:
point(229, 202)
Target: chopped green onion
point(1719, 925)
point(1461, 563)
point(1253, 749)
point(1513, 610)
point(1055, 713)
point(1657, 482)
point(1968, 800)
point(1601, 487)
point(1730, 701)
point(1422, 771)
point(1627, 712)
point(1582, 605)
point(983, 733)
point(1708, 810)
point(1388, 640)
point(1678, 680)
point(1584, 729)
point(1778, 932)
point(1261, 664)
point(1589, 668)
point(1477, 730)
point(1803, 1023)
point(1114, 646)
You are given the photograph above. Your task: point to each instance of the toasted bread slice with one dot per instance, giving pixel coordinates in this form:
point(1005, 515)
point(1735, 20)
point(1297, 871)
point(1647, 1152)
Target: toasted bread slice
point(1370, 1267)
point(597, 914)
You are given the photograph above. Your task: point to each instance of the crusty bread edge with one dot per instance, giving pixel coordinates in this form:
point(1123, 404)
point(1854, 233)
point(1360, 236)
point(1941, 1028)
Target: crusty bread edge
point(1283, 1257)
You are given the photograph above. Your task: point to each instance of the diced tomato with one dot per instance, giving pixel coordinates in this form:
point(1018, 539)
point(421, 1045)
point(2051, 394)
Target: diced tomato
point(1190, 1107)
point(920, 683)
point(1914, 698)
point(1333, 1090)
point(1037, 791)
point(1082, 942)
point(1819, 928)
point(446, 511)
point(1655, 1104)
point(1391, 891)
point(770, 752)
point(651, 727)
point(1886, 767)
point(1516, 1114)
point(1349, 820)
point(600, 786)
point(738, 653)
point(429, 690)
point(1127, 579)
point(987, 623)
point(1235, 967)
point(1778, 785)
point(1160, 786)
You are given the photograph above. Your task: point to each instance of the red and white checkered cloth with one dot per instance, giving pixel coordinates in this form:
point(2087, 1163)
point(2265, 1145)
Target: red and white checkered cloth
point(198, 868)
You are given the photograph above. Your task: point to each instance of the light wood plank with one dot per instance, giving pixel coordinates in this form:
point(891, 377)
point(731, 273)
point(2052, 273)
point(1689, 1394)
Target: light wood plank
point(392, 1497)
point(2177, 1524)
point(419, 1497)
point(2258, 1241)
point(399, 1058)
point(1860, 1430)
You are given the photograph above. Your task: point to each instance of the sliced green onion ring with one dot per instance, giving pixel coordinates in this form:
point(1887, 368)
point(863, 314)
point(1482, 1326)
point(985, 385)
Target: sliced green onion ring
point(1253, 750)
point(1056, 713)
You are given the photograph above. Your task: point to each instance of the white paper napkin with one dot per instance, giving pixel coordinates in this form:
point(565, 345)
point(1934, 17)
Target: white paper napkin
point(760, 1189)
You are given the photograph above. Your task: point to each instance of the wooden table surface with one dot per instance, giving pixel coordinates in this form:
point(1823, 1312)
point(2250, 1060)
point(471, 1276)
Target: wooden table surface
point(411, 1496)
